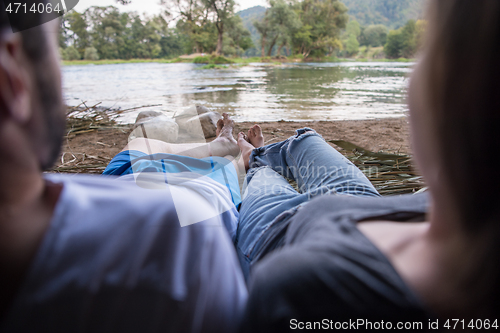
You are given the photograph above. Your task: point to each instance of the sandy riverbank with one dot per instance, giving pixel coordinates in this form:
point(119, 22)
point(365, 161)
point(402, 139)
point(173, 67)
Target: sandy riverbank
point(388, 135)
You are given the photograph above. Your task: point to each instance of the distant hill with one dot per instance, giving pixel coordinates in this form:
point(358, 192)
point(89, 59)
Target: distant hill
point(248, 16)
point(391, 13)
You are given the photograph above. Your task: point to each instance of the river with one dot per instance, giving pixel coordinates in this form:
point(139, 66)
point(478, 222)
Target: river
point(256, 92)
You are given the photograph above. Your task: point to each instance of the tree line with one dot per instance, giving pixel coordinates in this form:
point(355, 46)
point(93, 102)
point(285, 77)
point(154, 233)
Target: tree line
point(186, 26)
point(399, 43)
point(391, 13)
point(322, 28)
point(306, 28)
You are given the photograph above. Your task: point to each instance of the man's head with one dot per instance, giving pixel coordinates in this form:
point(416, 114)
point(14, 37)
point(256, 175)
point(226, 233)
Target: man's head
point(30, 87)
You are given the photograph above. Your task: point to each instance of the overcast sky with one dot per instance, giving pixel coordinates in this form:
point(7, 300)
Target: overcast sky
point(152, 7)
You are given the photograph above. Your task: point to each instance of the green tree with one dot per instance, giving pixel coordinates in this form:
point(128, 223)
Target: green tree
point(71, 53)
point(63, 32)
point(353, 28)
point(350, 37)
point(421, 28)
point(204, 40)
point(173, 44)
point(322, 22)
point(91, 54)
point(374, 35)
point(394, 46)
point(410, 42)
point(107, 31)
point(352, 45)
point(391, 13)
point(145, 37)
point(158, 31)
point(223, 11)
point(238, 38)
point(404, 42)
point(283, 22)
point(193, 22)
point(249, 16)
point(264, 29)
point(78, 27)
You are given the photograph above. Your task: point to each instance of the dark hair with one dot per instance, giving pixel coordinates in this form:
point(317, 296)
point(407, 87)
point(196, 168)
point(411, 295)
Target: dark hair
point(461, 71)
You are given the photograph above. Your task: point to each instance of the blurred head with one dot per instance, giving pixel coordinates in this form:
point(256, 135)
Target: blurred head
point(455, 120)
point(455, 106)
point(30, 85)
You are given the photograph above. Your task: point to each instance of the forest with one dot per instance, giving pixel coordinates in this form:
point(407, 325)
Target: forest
point(300, 29)
point(391, 13)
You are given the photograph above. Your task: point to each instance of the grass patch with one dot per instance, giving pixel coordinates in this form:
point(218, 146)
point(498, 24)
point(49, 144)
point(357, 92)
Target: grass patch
point(391, 174)
point(120, 61)
point(213, 66)
point(212, 60)
point(331, 59)
point(219, 60)
point(244, 61)
point(373, 60)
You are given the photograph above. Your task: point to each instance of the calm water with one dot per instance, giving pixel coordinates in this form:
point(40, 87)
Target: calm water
point(313, 91)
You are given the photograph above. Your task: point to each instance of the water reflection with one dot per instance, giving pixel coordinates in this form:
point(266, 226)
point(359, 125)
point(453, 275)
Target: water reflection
point(257, 92)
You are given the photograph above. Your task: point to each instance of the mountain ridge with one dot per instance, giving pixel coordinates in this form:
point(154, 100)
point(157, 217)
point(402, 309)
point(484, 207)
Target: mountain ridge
point(248, 16)
point(391, 13)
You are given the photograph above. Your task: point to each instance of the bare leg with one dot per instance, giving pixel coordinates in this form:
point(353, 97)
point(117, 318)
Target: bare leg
point(224, 145)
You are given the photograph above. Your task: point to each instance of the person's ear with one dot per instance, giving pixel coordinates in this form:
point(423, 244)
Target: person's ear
point(14, 79)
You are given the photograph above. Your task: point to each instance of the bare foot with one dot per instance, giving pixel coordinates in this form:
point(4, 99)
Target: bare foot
point(246, 148)
point(225, 128)
point(224, 133)
point(220, 125)
point(255, 136)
